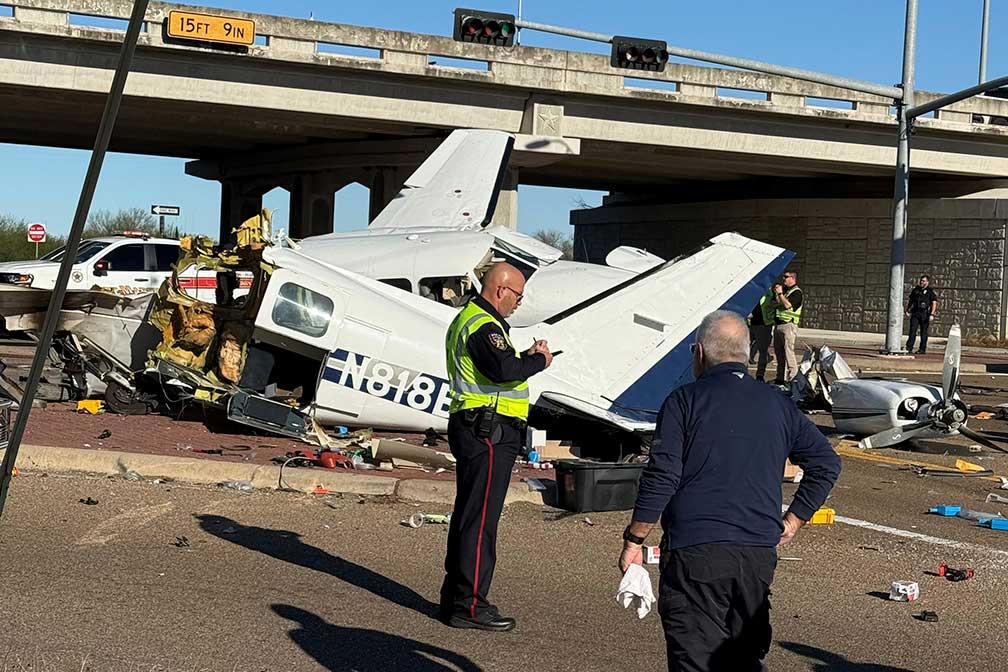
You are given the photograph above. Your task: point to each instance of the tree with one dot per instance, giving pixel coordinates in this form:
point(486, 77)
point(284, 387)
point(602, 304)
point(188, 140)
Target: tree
point(14, 243)
point(557, 239)
point(108, 223)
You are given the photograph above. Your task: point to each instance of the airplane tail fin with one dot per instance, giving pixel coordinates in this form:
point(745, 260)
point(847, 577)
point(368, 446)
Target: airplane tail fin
point(456, 188)
point(631, 345)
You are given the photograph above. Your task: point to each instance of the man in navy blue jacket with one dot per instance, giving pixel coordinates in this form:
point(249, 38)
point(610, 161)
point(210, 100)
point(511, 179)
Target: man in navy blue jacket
point(714, 479)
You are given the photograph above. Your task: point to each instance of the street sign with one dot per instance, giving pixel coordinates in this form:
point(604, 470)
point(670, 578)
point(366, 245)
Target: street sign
point(166, 210)
point(210, 28)
point(36, 233)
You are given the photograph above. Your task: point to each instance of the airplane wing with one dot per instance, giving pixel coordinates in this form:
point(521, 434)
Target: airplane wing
point(456, 188)
point(626, 349)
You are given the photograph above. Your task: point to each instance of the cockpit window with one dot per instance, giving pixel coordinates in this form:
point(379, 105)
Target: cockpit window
point(302, 310)
point(401, 283)
point(451, 291)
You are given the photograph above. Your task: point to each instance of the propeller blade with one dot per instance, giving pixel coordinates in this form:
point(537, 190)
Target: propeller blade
point(894, 435)
point(980, 438)
point(953, 354)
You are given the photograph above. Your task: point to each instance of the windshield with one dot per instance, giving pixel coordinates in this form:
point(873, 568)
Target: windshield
point(55, 255)
point(87, 249)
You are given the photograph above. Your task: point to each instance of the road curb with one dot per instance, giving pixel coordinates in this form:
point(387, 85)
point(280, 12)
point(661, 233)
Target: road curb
point(195, 470)
point(263, 477)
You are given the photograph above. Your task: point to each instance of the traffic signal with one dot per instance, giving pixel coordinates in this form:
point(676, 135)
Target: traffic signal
point(635, 53)
point(473, 25)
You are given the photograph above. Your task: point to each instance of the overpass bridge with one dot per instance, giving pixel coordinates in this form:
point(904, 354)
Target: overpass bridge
point(685, 153)
point(289, 112)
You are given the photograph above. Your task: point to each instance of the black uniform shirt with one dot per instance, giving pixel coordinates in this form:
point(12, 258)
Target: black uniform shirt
point(920, 301)
point(492, 355)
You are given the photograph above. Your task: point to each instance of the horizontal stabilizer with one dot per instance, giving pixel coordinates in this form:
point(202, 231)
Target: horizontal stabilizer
point(630, 345)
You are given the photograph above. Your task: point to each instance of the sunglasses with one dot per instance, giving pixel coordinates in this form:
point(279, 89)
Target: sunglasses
point(518, 295)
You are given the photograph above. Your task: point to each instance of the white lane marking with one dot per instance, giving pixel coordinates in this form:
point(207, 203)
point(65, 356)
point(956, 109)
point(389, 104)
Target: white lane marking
point(124, 522)
point(938, 541)
point(907, 534)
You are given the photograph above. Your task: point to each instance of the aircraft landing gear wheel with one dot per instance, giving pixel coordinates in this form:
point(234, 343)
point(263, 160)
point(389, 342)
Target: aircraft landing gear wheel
point(121, 400)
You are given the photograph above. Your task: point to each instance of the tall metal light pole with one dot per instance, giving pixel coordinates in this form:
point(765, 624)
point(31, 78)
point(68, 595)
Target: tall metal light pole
point(983, 42)
point(894, 331)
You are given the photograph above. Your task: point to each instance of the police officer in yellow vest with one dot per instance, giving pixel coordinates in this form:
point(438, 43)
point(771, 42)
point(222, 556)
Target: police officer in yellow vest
point(486, 430)
point(761, 324)
point(788, 300)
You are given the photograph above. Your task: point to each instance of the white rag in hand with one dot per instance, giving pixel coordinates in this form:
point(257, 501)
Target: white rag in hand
point(635, 587)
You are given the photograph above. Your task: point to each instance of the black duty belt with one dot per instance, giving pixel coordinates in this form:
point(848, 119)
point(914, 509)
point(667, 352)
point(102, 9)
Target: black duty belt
point(470, 415)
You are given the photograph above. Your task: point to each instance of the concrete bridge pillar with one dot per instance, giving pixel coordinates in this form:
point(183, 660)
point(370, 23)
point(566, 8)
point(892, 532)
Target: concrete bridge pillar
point(312, 198)
point(506, 213)
point(240, 200)
point(386, 182)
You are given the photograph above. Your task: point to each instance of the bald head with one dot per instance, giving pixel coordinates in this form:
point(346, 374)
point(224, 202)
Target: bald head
point(723, 337)
point(503, 286)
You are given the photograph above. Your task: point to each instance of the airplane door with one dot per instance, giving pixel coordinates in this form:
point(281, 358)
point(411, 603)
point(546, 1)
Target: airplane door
point(301, 314)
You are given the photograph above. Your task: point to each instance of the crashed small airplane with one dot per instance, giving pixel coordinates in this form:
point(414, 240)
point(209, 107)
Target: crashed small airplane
point(889, 412)
point(348, 328)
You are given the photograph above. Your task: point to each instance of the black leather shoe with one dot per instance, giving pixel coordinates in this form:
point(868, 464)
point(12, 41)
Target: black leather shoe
point(489, 622)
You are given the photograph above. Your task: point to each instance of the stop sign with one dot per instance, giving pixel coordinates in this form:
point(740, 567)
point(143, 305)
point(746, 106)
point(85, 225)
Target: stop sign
point(36, 233)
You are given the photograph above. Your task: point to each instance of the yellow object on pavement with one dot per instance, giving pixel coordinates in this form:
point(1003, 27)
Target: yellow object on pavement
point(92, 406)
point(823, 516)
point(963, 465)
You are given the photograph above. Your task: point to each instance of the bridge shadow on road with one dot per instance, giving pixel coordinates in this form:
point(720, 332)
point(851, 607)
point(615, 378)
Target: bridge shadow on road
point(826, 661)
point(342, 648)
point(287, 546)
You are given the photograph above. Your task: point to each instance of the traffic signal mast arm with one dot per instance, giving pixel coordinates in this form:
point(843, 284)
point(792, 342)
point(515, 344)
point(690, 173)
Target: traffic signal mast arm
point(894, 92)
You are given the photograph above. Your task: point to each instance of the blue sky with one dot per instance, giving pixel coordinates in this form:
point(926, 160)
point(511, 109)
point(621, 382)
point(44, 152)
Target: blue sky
point(856, 38)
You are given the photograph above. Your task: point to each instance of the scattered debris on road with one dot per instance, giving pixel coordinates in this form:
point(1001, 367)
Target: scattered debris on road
point(927, 616)
point(92, 406)
point(904, 591)
point(89, 501)
point(419, 519)
point(104, 435)
point(824, 516)
point(953, 574)
point(240, 486)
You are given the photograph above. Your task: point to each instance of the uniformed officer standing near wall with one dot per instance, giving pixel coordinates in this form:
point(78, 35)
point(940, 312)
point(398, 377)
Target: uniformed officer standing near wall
point(761, 324)
point(486, 430)
point(921, 307)
point(788, 299)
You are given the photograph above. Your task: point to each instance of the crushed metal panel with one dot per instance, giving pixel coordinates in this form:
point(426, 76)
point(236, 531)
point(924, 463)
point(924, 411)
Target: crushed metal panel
point(271, 416)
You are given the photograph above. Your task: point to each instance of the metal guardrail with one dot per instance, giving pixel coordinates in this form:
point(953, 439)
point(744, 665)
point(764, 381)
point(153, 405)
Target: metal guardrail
point(303, 40)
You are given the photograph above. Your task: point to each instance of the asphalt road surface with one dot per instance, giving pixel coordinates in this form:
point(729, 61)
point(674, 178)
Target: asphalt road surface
point(158, 577)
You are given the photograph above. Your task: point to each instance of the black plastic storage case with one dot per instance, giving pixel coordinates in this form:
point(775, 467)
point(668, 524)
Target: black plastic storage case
point(583, 485)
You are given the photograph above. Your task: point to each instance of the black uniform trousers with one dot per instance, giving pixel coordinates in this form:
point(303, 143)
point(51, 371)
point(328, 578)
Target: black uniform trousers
point(482, 476)
point(714, 601)
point(919, 321)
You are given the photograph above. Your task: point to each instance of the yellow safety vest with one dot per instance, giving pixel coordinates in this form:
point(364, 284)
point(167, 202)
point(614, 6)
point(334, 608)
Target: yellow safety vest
point(766, 304)
point(469, 387)
point(790, 315)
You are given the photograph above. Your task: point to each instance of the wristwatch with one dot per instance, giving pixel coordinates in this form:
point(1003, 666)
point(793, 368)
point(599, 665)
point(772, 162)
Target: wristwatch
point(632, 538)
